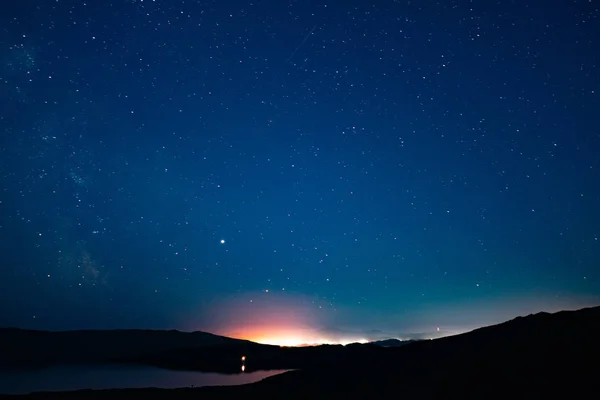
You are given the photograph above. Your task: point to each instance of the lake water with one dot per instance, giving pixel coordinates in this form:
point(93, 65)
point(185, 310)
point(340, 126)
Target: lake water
point(59, 378)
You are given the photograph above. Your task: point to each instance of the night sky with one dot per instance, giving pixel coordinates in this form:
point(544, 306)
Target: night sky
point(295, 171)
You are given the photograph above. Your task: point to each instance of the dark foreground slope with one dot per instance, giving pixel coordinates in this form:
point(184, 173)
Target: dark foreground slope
point(539, 356)
point(28, 348)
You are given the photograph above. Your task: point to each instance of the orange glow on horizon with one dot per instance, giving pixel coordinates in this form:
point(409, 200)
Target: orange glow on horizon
point(286, 337)
point(268, 318)
point(294, 342)
point(270, 335)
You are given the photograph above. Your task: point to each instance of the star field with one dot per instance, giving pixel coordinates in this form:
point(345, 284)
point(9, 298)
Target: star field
point(317, 170)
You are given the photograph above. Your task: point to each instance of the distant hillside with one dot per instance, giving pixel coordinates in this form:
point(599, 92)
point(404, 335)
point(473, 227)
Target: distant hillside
point(227, 358)
point(548, 356)
point(198, 351)
point(541, 355)
point(20, 347)
point(393, 342)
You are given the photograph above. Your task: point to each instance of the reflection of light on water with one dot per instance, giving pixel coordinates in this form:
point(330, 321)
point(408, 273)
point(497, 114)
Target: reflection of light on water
point(117, 376)
point(243, 367)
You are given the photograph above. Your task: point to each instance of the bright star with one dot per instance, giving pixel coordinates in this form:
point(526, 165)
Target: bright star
point(222, 241)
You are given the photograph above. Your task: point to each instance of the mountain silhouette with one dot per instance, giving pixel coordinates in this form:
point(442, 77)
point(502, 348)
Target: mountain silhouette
point(539, 356)
point(31, 348)
point(393, 342)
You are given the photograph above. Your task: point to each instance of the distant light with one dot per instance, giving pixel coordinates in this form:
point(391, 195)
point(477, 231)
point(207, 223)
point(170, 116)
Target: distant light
point(243, 358)
point(222, 241)
point(243, 368)
point(438, 329)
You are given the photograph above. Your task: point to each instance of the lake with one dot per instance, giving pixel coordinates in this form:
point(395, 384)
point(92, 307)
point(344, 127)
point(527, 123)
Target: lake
point(109, 376)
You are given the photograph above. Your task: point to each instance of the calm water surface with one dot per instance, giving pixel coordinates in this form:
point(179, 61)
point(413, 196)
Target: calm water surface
point(60, 378)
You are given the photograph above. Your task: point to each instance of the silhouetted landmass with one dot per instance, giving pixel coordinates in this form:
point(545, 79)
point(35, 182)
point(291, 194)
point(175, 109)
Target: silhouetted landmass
point(198, 351)
point(30, 348)
point(393, 342)
point(539, 356)
point(226, 358)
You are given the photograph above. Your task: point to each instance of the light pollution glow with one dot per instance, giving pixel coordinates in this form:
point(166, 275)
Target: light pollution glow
point(292, 320)
point(272, 319)
point(282, 320)
point(287, 336)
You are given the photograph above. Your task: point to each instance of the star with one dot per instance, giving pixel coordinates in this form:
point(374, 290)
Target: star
point(222, 241)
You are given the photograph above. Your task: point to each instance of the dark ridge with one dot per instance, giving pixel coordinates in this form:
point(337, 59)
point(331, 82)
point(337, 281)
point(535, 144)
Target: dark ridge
point(394, 342)
point(539, 356)
point(30, 348)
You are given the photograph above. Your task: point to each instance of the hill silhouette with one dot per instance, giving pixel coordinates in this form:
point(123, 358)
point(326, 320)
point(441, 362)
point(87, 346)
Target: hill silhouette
point(31, 348)
point(393, 342)
point(539, 356)
point(226, 358)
